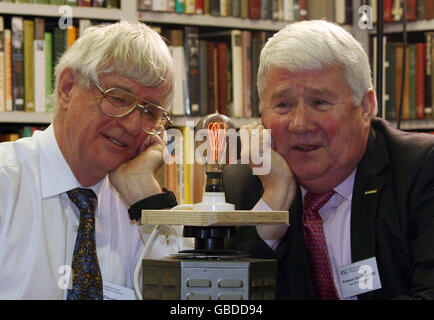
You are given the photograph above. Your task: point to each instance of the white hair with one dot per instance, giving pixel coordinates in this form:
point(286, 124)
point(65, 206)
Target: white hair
point(313, 45)
point(131, 48)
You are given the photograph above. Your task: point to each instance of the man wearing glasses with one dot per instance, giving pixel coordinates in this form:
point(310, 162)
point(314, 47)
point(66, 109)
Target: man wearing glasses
point(65, 232)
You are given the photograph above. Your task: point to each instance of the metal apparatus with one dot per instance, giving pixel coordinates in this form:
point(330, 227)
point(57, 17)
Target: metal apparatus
point(210, 271)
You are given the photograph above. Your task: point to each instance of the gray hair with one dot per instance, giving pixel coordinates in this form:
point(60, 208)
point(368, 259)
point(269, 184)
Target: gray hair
point(131, 48)
point(313, 45)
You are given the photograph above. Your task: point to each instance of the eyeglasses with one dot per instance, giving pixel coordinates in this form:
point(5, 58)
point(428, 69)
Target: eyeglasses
point(118, 103)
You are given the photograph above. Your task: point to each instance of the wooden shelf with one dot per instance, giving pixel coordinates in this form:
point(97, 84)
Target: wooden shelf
point(210, 21)
point(418, 25)
point(46, 10)
point(412, 26)
point(416, 124)
point(26, 117)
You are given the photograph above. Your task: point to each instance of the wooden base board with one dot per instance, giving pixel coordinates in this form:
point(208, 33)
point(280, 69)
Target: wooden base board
point(214, 218)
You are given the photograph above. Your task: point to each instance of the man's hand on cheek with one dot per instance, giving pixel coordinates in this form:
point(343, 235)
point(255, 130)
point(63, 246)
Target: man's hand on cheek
point(135, 179)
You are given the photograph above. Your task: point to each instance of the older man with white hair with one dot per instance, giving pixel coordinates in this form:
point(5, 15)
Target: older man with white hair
point(360, 194)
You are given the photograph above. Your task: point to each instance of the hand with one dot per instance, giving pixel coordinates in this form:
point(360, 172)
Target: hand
point(135, 179)
point(277, 180)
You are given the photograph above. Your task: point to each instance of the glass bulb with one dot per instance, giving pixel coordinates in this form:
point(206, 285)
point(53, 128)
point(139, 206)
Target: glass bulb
point(221, 139)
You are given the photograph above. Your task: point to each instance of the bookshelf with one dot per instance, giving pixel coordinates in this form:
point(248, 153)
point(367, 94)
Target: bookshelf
point(418, 60)
point(48, 10)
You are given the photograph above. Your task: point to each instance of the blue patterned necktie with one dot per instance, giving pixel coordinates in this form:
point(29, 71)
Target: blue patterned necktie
point(86, 275)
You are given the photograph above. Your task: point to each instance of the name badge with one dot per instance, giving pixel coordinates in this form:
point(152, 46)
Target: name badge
point(113, 291)
point(359, 277)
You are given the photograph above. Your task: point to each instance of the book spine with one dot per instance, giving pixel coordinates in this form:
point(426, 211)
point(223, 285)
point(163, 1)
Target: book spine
point(247, 69)
point(420, 80)
point(17, 63)
point(203, 75)
point(29, 76)
point(222, 77)
point(9, 100)
point(191, 43)
point(39, 65)
point(390, 80)
point(237, 73)
point(2, 66)
point(48, 39)
point(412, 81)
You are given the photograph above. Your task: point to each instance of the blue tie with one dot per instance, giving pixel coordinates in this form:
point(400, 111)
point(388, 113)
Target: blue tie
point(86, 275)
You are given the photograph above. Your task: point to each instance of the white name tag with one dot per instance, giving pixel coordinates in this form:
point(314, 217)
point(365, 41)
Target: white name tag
point(113, 291)
point(359, 277)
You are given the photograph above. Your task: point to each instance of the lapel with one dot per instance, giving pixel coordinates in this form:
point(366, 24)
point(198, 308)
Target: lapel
point(368, 185)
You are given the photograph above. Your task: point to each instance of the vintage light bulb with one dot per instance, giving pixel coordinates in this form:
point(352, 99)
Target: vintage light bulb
point(219, 131)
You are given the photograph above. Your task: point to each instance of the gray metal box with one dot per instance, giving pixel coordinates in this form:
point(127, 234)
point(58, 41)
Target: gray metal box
point(175, 278)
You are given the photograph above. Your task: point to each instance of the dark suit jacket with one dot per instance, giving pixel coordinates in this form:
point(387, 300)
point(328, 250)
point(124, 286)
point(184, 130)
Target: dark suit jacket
point(395, 223)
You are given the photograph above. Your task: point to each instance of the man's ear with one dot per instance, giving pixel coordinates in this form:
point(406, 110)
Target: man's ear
point(368, 105)
point(66, 83)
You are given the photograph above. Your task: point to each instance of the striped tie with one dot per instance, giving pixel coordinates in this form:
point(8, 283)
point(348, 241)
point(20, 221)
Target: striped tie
point(321, 271)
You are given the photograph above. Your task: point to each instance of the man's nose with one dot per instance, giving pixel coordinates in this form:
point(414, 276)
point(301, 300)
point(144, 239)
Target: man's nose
point(132, 122)
point(300, 119)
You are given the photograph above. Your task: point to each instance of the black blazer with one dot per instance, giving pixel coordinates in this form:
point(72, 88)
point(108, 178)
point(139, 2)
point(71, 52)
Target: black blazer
point(392, 218)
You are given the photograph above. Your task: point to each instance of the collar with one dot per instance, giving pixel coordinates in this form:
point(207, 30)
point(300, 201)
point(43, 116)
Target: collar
point(345, 188)
point(56, 175)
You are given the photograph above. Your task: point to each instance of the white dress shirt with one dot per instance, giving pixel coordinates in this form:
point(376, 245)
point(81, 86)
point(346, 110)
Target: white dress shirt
point(38, 223)
point(336, 219)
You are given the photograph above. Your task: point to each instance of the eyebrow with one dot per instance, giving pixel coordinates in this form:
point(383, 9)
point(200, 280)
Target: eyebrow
point(310, 91)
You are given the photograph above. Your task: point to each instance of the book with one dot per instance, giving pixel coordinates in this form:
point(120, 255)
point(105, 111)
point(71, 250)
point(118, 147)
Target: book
point(321, 9)
point(212, 78)
point(191, 44)
point(420, 79)
point(8, 70)
point(246, 42)
point(176, 39)
point(17, 24)
point(179, 6)
point(203, 77)
point(39, 65)
point(412, 81)
point(146, 5)
point(429, 9)
point(215, 7)
point(411, 9)
point(71, 35)
point(288, 10)
point(2, 66)
point(190, 6)
point(199, 7)
point(225, 8)
point(429, 81)
point(48, 39)
point(159, 5)
point(390, 75)
point(236, 8)
point(29, 76)
point(303, 14)
point(237, 73)
point(255, 9)
point(222, 77)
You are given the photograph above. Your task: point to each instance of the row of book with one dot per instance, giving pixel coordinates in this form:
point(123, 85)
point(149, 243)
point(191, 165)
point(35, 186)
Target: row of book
point(81, 3)
point(416, 10)
point(216, 71)
point(286, 10)
point(29, 50)
point(13, 134)
point(418, 89)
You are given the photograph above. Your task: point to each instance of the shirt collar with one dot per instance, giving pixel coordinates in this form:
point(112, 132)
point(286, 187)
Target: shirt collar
point(345, 188)
point(56, 175)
